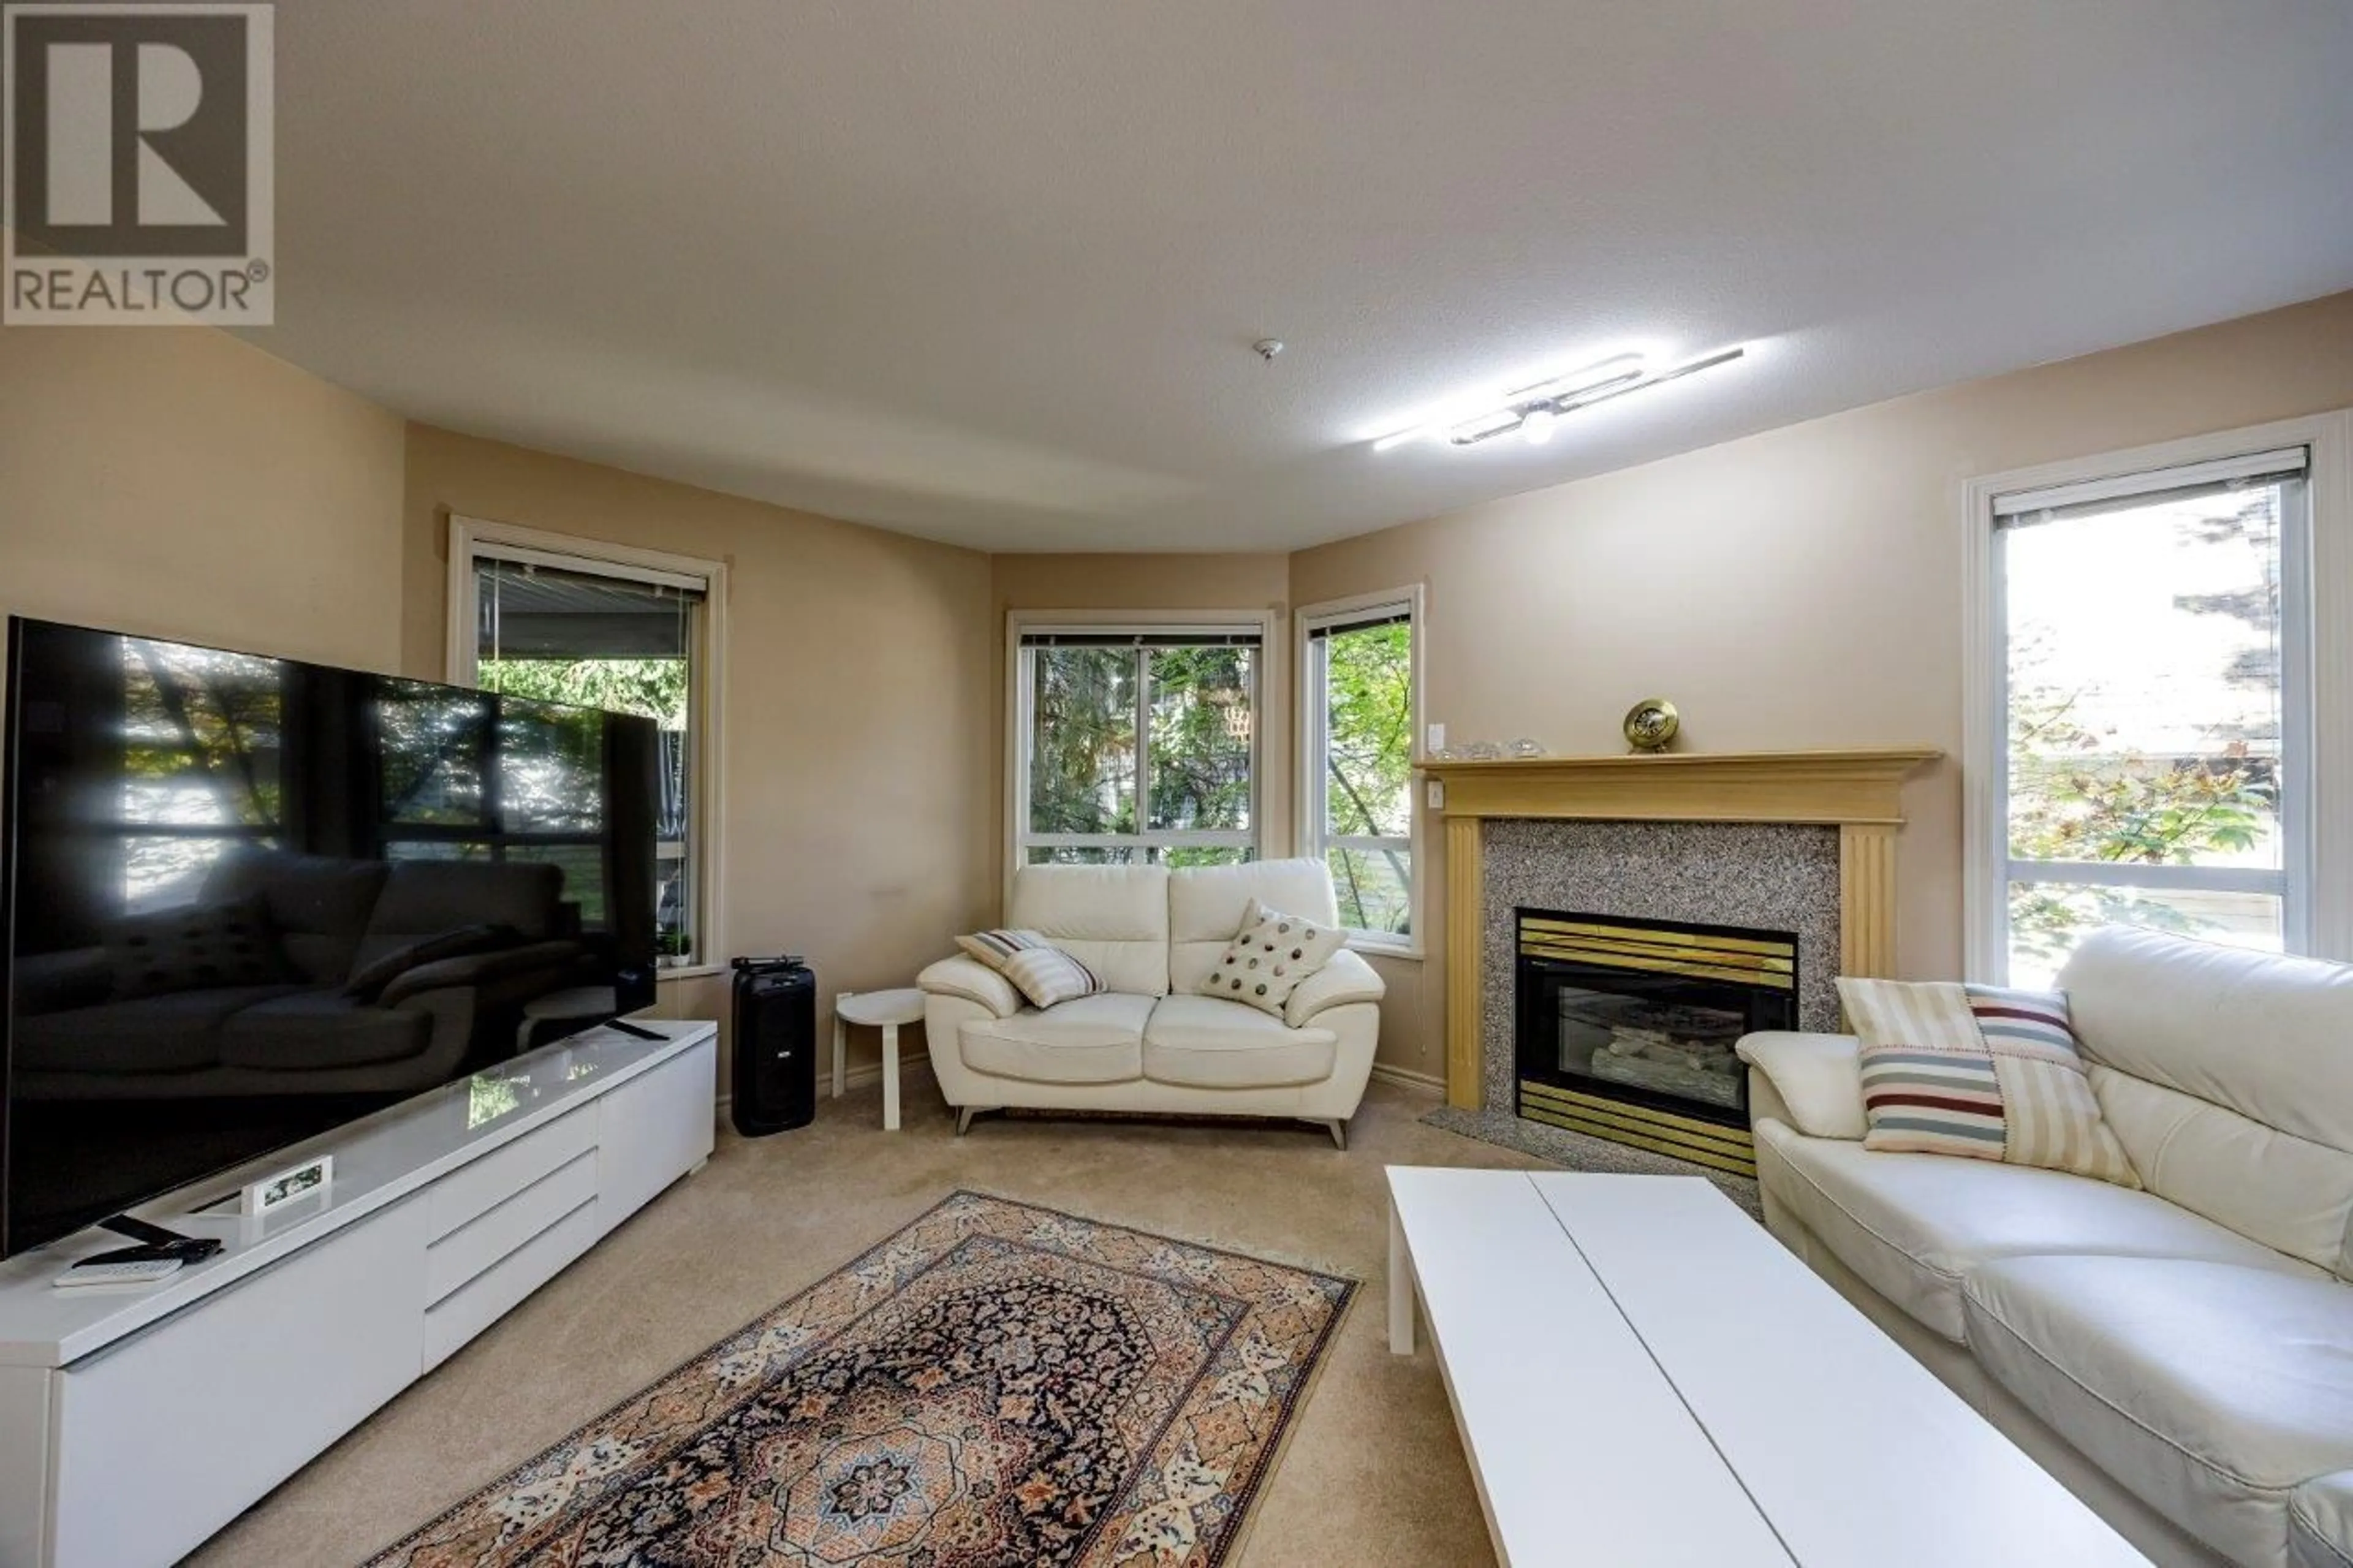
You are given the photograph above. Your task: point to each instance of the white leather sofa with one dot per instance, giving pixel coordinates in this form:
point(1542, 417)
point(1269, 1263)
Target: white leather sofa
point(2181, 1357)
point(1153, 1042)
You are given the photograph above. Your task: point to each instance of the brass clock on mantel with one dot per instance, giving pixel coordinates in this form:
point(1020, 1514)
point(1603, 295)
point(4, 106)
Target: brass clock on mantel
point(1651, 724)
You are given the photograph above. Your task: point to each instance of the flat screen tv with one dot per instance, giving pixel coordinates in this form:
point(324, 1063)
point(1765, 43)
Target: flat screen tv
point(246, 899)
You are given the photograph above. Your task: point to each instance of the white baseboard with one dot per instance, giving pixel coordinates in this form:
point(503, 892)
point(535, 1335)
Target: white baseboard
point(1406, 1078)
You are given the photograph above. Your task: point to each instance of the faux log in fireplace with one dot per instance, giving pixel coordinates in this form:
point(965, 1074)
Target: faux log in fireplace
point(1625, 1029)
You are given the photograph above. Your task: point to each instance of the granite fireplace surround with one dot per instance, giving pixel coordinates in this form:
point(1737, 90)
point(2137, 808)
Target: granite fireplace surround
point(1773, 875)
point(1792, 841)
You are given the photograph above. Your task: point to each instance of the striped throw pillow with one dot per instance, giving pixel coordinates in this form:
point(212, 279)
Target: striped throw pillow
point(1980, 1072)
point(1039, 970)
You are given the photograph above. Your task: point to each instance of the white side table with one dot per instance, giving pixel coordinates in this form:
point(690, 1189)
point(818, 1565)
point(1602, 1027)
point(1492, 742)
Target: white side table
point(885, 1010)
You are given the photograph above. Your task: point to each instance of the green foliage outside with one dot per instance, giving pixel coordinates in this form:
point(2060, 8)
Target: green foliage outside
point(198, 720)
point(1082, 750)
point(2075, 794)
point(1083, 758)
point(654, 687)
point(2075, 798)
point(1202, 723)
point(1370, 733)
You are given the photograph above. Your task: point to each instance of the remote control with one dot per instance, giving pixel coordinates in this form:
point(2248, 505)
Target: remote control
point(138, 1271)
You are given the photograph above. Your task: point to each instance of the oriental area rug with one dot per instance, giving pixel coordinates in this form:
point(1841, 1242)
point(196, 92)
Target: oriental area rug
point(994, 1387)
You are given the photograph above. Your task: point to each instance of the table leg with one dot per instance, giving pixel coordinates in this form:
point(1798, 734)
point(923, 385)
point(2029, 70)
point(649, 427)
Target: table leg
point(890, 1077)
point(841, 1046)
point(1400, 1287)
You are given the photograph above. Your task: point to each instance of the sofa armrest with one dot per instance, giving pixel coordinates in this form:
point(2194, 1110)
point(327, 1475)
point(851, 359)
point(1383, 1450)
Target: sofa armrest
point(477, 969)
point(56, 982)
point(974, 981)
point(1346, 978)
point(1818, 1077)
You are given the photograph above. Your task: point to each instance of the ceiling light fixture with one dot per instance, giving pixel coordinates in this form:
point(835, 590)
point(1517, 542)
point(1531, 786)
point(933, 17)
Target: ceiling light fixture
point(1532, 409)
point(1481, 427)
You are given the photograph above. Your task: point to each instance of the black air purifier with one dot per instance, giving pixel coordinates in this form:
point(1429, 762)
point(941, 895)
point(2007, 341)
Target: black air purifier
point(776, 1046)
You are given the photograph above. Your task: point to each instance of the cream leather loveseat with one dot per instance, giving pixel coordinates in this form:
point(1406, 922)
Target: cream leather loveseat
point(1152, 1042)
point(2182, 1357)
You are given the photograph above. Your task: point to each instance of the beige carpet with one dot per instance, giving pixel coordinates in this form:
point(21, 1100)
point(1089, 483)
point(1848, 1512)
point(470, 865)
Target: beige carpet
point(1372, 1473)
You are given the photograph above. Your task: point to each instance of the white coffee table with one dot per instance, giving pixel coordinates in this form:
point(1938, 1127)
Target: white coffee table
point(1643, 1377)
point(884, 1010)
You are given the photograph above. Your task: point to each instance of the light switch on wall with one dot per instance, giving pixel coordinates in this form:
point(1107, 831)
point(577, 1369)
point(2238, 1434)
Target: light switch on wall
point(1434, 791)
point(1437, 741)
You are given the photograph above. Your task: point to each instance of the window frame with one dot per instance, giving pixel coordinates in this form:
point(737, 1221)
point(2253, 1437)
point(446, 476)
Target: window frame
point(1311, 729)
point(473, 540)
point(1018, 623)
point(2316, 681)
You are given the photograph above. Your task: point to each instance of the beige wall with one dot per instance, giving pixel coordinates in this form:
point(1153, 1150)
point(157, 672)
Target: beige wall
point(1160, 583)
point(859, 710)
point(180, 482)
point(1798, 588)
point(175, 481)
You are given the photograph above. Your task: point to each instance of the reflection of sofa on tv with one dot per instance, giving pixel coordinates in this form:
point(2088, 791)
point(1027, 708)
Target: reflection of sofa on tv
point(298, 974)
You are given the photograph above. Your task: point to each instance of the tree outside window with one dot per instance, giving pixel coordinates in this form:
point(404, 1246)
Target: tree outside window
point(2148, 719)
point(1360, 726)
point(1140, 748)
point(596, 640)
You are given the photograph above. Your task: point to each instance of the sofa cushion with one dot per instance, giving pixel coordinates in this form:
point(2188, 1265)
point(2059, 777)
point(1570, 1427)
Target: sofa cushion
point(2320, 1522)
point(179, 1032)
point(1094, 1039)
point(1203, 1043)
point(2166, 1009)
point(319, 903)
point(1036, 967)
point(2285, 1191)
point(1113, 919)
point(2234, 1098)
point(1979, 1072)
point(425, 898)
point(1913, 1225)
point(1208, 904)
point(311, 1030)
point(2210, 1391)
point(1276, 952)
point(1048, 977)
point(54, 981)
point(195, 947)
point(997, 947)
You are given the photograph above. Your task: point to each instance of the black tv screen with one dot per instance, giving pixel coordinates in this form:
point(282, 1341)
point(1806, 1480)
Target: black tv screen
point(249, 899)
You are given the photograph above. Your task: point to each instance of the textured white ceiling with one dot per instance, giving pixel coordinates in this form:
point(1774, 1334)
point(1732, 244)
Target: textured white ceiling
point(988, 270)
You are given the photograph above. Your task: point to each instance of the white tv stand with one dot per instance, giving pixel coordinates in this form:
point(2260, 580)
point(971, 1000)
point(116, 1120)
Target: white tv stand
point(134, 1424)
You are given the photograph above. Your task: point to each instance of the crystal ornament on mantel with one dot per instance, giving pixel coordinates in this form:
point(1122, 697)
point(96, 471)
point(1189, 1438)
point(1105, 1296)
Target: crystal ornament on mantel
point(1488, 750)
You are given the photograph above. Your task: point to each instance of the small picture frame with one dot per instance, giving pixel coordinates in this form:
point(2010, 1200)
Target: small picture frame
point(290, 1185)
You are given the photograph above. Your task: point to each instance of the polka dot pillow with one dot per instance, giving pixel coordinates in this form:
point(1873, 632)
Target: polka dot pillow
point(1273, 954)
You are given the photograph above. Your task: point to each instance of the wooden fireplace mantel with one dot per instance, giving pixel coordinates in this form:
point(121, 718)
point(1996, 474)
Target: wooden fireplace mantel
point(1858, 791)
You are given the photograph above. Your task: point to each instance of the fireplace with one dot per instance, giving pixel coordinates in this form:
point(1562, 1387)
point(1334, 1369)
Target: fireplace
point(1624, 1028)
